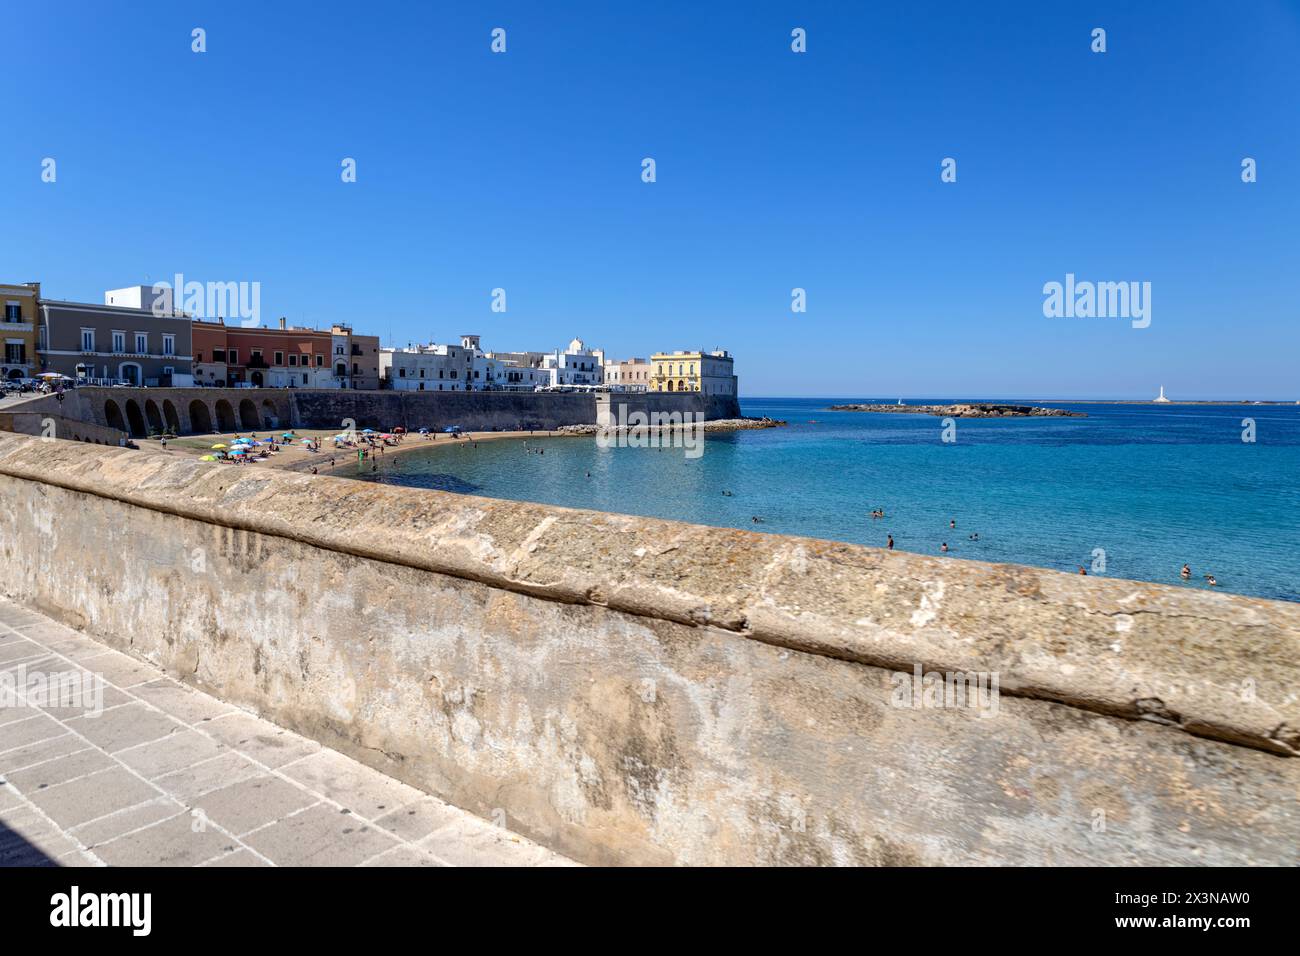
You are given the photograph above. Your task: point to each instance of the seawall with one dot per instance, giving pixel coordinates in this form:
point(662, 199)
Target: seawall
point(629, 690)
point(142, 411)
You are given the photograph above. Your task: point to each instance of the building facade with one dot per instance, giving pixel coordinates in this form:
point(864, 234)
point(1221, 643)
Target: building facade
point(354, 358)
point(284, 357)
point(106, 344)
point(575, 366)
point(630, 376)
point(712, 373)
point(20, 321)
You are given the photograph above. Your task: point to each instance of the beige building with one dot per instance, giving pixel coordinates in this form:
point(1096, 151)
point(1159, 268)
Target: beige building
point(19, 324)
point(630, 376)
point(354, 358)
point(712, 373)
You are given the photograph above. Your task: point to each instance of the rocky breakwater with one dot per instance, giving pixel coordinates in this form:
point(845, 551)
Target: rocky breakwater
point(967, 410)
point(718, 425)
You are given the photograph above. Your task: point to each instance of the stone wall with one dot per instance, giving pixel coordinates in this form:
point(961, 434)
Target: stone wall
point(144, 411)
point(628, 690)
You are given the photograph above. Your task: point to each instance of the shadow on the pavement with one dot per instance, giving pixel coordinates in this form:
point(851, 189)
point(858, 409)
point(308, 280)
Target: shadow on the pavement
point(15, 850)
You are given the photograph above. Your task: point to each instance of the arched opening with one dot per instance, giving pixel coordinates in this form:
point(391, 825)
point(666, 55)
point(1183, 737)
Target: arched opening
point(15, 373)
point(153, 417)
point(681, 386)
point(129, 372)
point(269, 414)
point(135, 419)
point(256, 379)
point(172, 419)
point(248, 415)
point(670, 385)
point(200, 417)
point(113, 416)
point(225, 417)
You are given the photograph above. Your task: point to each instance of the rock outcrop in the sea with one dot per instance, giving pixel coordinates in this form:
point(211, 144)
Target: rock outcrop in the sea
point(718, 425)
point(967, 410)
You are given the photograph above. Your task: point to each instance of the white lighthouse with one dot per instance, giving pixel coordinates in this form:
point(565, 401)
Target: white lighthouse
point(1161, 397)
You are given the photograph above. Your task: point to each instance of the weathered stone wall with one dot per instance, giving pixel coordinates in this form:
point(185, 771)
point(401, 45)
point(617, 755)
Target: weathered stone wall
point(144, 411)
point(639, 691)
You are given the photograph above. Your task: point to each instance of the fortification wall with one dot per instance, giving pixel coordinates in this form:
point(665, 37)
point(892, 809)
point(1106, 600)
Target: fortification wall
point(142, 412)
point(629, 690)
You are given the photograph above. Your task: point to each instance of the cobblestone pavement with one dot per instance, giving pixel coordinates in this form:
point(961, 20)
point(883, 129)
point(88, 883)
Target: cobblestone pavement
point(163, 775)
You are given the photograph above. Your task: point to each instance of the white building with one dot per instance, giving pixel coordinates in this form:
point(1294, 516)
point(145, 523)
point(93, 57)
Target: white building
point(576, 365)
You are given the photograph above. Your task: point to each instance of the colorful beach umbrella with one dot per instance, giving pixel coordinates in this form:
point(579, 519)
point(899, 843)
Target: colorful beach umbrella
point(218, 446)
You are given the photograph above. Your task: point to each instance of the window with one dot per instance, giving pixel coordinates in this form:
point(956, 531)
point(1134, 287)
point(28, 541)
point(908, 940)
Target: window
point(169, 370)
point(421, 376)
point(304, 378)
point(255, 355)
point(232, 356)
point(401, 373)
point(15, 353)
point(218, 355)
point(279, 358)
point(87, 340)
point(119, 341)
point(169, 344)
point(141, 343)
point(320, 360)
point(293, 359)
point(13, 312)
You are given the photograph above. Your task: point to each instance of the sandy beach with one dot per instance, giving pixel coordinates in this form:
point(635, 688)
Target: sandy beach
point(294, 456)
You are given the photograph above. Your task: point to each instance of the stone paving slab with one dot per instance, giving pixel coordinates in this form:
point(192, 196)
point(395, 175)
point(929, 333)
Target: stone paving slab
point(145, 771)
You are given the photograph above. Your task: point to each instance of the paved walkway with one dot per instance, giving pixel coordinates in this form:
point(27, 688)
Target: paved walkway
point(163, 775)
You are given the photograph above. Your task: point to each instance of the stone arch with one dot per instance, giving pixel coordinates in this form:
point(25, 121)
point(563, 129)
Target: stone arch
point(113, 416)
point(248, 415)
point(153, 416)
point(200, 417)
point(270, 414)
point(135, 419)
point(170, 417)
point(226, 417)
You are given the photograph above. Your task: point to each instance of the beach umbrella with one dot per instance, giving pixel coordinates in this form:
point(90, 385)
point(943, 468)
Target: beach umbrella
point(238, 451)
point(208, 458)
point(218, 446)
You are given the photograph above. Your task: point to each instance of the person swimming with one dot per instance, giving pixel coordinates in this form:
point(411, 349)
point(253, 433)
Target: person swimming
point(944, 547)
point(1209, 579)
point(726, 494)
point(975, 536)
point(756, 519)
point(1083, 570)
point(952, 522)
point(1186, 572)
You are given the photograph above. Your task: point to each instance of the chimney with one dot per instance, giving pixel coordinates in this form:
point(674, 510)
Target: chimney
point(281, 323)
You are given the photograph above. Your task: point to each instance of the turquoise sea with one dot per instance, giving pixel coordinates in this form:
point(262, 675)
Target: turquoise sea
point(1150, 486)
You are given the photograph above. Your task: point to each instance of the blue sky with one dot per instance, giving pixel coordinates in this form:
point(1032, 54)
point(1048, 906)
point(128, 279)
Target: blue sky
point(775, 170)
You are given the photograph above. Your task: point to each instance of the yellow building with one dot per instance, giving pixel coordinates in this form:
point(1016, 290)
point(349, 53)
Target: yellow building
point(19, 323)
point(712, 373)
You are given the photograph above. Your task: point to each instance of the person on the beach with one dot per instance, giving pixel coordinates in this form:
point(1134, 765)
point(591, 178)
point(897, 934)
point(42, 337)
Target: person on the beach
point(1186, 572)
point(889, 543)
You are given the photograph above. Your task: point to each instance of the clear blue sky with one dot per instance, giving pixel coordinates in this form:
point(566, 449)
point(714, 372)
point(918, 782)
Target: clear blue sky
point(775, 170)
